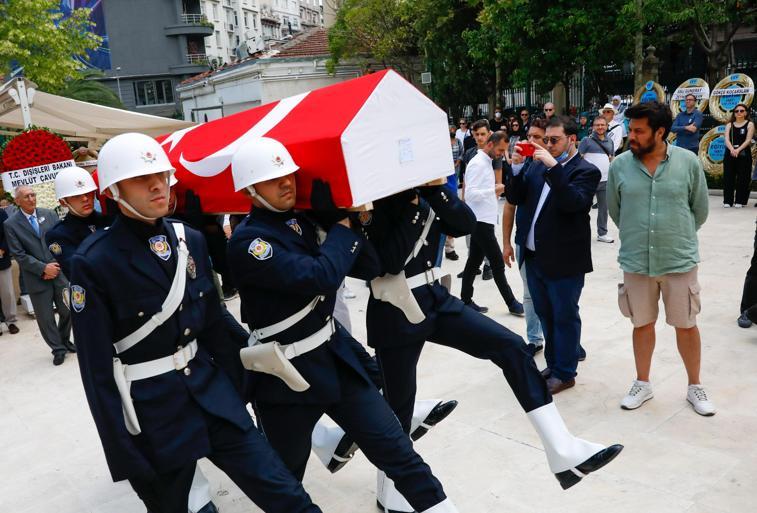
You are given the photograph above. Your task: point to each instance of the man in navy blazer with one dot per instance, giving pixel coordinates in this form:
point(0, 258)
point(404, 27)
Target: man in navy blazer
point(554, 192)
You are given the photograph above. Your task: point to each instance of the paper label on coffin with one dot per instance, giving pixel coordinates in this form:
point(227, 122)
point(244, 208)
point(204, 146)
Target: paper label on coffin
point(368, 137)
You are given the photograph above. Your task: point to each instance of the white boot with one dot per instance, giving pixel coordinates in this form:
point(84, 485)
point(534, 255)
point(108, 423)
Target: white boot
point(325, 441)
point(199, 494)
point(564, 451)
point(445, 506)
point(389, 499)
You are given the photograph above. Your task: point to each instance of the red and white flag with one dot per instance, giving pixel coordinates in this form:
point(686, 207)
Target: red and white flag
point(369, 137)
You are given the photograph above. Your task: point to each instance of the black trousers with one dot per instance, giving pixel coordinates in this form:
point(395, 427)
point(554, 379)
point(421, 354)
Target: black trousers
point(749, 295)
point(366, 417)
point(738, 172)
point(472, 333)
point(483, 243)
point(247, 459)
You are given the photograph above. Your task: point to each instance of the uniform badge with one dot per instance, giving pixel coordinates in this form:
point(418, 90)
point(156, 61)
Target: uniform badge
point(260, 249)
point(92, 228)
point(294, 225)
point(55, 248)
point(78, 298)
point(148, 157)
point(159, 245)
point(191, 267)
point(277, 161)
point(365, 217)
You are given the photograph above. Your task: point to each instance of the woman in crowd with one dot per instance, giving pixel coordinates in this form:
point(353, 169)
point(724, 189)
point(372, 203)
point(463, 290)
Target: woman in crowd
point(737, 162)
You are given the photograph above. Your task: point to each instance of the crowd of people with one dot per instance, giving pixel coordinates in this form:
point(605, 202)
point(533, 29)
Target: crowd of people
point(168, 371)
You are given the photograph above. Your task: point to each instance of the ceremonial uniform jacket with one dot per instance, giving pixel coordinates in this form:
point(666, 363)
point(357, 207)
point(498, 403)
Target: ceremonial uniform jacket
point(279, 268)
point(393, 228)
point(64, 238)
point(118, 283)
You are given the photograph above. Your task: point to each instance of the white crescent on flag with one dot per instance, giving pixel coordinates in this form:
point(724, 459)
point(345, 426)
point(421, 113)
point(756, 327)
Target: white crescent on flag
point(215, 163)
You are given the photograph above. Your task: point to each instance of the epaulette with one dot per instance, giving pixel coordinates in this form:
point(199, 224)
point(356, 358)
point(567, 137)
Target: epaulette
point(93, 239)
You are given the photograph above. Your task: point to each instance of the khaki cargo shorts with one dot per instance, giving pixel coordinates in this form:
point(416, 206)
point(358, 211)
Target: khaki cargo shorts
point(639, 297)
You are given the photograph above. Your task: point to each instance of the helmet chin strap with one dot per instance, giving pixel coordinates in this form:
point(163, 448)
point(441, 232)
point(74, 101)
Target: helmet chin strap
point(118, 199)
point(72, 209)
point(254, 194)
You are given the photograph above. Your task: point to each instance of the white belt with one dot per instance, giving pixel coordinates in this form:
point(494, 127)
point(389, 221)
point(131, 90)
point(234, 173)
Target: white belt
point(177, 361)
point(425, 278)
point(275, 329)
point(307, 344)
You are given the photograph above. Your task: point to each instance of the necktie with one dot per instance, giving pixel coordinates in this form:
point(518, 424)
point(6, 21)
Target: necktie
point(34, 223)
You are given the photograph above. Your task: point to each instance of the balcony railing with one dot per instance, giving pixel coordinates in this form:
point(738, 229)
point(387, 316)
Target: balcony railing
point(196, 58)
point(194, 19)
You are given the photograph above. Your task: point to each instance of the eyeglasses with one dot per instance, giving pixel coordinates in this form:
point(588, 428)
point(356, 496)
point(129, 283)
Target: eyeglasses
point(463, 123)
point(739, 110)
point(548, 110)
point(553, 140)
point(524, 114)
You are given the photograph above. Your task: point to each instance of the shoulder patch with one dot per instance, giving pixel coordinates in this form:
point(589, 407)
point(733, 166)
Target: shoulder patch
point(294, 225)
point(55, 249)
point(260, 249)
point(78, 298)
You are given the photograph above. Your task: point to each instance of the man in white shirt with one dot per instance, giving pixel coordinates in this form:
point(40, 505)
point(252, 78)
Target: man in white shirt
point(481, 193)
point(614, 129)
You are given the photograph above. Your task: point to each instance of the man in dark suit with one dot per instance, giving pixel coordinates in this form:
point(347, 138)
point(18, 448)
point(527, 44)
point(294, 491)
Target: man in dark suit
point(25, 231)
point(7, 293)
point(555, 197)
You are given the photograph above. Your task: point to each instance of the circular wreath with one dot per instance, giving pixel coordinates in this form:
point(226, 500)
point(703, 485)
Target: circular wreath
point(712, 150)
point(650, 91)
point(677, 105)
point(721, 106)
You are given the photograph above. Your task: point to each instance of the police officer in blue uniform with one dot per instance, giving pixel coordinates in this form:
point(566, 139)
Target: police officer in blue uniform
point(75, 190)
point(287, 284)
point(408, 306)
point(151, 340)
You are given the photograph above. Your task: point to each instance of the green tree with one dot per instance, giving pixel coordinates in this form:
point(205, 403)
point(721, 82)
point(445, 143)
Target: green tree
point(34, 35)
point(87, 89)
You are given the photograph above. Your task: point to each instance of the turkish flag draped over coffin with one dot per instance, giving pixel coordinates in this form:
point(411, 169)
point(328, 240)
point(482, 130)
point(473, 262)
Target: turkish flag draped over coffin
point(369, 137)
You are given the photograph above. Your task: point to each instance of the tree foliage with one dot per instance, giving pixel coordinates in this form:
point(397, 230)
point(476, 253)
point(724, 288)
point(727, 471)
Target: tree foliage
point(34, 35)
point(87, 89)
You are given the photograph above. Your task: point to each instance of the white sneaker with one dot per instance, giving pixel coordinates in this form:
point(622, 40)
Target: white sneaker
point(641, 391)
point(605, 238)
point(726, 205)
point(738, 205)
point(698, 399)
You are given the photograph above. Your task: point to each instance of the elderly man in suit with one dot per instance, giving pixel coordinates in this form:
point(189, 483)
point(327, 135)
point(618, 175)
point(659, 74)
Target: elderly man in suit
point(25, 231)
point(556, 194)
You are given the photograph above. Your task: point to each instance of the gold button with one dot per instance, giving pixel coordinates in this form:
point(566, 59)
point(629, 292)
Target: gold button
point(187, 371)
point(181, 307)
point(141, 314)
point(187, 331)
point(202, 294)
point(428, 263)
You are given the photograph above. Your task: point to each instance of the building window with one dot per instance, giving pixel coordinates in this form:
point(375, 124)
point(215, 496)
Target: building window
point(218, 39)
point(214, 9)
point(246, 20)
point(153, 92)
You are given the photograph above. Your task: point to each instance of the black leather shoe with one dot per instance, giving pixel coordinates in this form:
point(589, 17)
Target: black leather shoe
point(568, 478)
point(344, 452)
point(743, 321)
point(451, 255)
point(13, 329)
point(438, 414)
point(460, 274)
point(546, 373)
point(70, 347)
point(534, 348)
point(59, 358)
point(479, 309)
point(209, 508)
point(581, 354)
point(487, 275)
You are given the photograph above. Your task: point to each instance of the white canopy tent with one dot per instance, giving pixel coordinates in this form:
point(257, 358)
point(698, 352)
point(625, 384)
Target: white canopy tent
point(21, 105)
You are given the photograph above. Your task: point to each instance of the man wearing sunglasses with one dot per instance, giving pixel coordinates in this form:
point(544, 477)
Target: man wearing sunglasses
point(686, 125)
point(556, 195)
point(549, 110)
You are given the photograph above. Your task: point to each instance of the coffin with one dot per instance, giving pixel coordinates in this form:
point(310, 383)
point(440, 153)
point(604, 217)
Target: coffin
point(369, 137)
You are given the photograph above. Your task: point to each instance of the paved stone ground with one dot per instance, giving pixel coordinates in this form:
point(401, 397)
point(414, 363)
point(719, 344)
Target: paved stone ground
point(486, 453)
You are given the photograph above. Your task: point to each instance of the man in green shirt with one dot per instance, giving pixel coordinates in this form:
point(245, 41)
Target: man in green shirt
point(657, 195)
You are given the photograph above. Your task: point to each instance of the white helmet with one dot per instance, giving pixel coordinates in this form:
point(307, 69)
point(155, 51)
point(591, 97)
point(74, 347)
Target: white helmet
point(130, 155)
point(73, 181)
point(259, 160)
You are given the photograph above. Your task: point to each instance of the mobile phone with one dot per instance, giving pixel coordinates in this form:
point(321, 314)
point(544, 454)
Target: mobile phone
point(526, 149)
